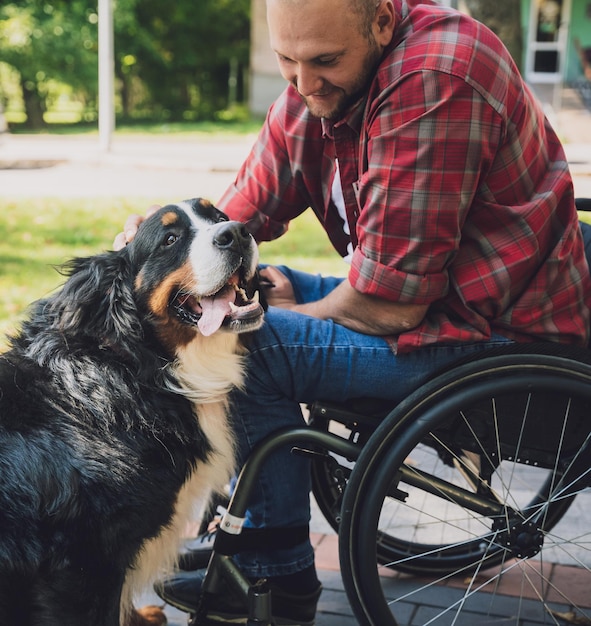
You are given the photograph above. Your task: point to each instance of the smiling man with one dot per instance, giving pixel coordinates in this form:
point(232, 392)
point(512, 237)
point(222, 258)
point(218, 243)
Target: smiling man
point(407, 129)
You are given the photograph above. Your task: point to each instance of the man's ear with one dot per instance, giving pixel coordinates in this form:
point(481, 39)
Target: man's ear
point(384, 23)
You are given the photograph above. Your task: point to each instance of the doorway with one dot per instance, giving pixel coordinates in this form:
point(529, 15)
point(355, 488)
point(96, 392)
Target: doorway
point(548, 37)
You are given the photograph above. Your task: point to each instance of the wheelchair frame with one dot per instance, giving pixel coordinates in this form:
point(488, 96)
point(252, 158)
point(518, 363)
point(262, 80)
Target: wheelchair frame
point(382, 476)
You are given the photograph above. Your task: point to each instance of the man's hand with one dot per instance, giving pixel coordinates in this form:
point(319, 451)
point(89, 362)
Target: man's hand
point(347, 306)
point(130, 228)
point(280, 291)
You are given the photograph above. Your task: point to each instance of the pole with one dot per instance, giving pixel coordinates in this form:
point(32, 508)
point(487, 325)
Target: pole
point(106, 110)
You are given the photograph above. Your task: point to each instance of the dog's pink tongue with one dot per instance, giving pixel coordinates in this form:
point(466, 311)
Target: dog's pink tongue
point(214, 310)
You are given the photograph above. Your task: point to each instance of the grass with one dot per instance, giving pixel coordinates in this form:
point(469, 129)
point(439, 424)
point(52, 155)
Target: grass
point(38, 235)
point(223, 126)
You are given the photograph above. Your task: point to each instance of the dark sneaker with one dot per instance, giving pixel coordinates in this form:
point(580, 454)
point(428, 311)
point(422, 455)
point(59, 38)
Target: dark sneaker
point(184, 589)
point(195, 553)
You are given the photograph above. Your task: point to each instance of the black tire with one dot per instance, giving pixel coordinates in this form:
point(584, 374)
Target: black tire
point(502, 416)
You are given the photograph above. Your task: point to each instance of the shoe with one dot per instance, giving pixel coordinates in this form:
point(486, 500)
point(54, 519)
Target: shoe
point(183, 591)
point(195, 553)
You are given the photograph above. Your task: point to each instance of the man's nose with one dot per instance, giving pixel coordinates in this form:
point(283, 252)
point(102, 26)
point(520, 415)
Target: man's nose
point(308, 82)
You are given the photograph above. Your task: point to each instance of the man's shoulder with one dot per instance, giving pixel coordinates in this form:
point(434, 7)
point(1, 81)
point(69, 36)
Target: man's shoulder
point(435, 38)
point(434, 42)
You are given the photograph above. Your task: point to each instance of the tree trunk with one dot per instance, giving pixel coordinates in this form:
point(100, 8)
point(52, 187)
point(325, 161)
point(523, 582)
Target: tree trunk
point(34, 105)
point(503, 17)
point(125, 92)
point(3, 123)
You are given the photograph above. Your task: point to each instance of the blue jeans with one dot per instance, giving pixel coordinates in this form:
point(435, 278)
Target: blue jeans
point(297, 359)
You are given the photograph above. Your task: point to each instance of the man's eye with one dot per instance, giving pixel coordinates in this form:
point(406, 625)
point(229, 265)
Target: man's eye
point(327, 62)
point(170, 239)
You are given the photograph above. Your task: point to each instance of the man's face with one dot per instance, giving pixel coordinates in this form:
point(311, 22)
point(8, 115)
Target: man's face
point(323, 52)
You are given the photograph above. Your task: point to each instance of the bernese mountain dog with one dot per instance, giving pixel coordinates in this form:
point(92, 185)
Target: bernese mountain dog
point(113, 415)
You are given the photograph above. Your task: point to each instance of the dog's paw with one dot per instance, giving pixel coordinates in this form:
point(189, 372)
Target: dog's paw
point(147, 616)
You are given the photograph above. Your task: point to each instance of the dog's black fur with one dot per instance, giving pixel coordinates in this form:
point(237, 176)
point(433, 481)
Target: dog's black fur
point(112, 416)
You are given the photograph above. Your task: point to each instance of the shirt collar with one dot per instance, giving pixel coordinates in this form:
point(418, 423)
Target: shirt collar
point(352, 118)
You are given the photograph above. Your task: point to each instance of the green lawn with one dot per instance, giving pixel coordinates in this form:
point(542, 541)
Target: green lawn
point(37, 235)
point(239, 125)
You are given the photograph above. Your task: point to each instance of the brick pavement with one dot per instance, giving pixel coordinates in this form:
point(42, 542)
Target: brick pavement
point(483, 609)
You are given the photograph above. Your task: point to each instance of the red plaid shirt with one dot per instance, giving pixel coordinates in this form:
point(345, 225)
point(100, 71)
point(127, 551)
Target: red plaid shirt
point(456, 188)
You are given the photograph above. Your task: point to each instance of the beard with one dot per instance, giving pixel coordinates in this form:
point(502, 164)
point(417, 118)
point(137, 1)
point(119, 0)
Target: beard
point(344, 99)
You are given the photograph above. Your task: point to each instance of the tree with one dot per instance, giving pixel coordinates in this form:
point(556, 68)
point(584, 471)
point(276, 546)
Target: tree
point(183, 51)
point(172, 59)
point(46, 42)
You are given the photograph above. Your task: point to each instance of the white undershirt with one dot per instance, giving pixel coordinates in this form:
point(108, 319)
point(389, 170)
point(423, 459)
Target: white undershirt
point(339, 200)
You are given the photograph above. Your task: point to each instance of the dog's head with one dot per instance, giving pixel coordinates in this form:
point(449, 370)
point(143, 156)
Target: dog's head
point(189, 273)
point(195, 271)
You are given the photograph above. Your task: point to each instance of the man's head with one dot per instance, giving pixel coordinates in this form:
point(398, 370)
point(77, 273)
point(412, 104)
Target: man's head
point(329, 49)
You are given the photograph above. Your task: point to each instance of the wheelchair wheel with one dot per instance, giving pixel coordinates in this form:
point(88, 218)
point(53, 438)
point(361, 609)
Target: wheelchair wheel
point(466, 484)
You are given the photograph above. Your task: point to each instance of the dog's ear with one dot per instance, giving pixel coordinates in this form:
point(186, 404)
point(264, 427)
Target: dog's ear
point(97, 300)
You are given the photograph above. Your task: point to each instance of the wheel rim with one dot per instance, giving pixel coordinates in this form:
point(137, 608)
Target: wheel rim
point(465, 544)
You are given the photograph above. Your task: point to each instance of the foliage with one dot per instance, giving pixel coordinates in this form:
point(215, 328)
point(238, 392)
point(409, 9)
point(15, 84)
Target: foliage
point(48, 43)
point(182, 51)
point(174, 60)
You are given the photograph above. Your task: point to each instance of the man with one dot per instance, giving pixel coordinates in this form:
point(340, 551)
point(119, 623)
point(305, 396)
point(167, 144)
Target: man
point(408, 130)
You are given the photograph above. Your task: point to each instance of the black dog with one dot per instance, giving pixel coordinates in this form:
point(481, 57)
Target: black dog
point(113, 402)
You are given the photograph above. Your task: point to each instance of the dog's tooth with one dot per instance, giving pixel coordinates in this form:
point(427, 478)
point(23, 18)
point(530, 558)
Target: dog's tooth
point(256, 297)
point(233, 307)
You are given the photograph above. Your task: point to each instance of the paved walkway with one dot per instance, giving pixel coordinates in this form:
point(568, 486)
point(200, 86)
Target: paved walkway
point(334, 609)
point(163, 169)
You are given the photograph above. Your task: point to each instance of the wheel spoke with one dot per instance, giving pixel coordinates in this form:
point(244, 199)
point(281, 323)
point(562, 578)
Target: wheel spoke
point(482, 472)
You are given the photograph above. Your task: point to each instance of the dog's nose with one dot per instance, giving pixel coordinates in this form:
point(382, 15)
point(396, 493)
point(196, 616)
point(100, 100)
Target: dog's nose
point(231, 235)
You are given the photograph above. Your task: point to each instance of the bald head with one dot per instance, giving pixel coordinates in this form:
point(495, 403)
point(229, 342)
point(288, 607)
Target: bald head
point(362, 11)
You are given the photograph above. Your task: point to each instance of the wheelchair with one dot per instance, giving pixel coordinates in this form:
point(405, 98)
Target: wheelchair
point(470, 482)
point(466, 482)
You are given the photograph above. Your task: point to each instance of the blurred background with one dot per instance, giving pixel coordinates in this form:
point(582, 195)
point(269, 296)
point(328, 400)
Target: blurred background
point(190, 61)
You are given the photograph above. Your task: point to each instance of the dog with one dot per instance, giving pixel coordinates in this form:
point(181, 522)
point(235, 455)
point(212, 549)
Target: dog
point(114, 415)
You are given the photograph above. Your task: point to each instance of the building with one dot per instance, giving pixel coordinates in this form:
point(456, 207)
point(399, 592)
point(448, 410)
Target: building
point(555, 33)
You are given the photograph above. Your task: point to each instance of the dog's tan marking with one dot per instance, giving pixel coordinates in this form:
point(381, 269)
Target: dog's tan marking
point(171, 332)
point(170, 217)
point(162, 294)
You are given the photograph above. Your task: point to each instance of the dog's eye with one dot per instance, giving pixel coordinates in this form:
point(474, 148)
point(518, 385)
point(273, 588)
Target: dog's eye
point(170, 239)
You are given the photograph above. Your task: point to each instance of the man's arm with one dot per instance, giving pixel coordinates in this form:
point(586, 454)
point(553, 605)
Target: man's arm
point(348, 307)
